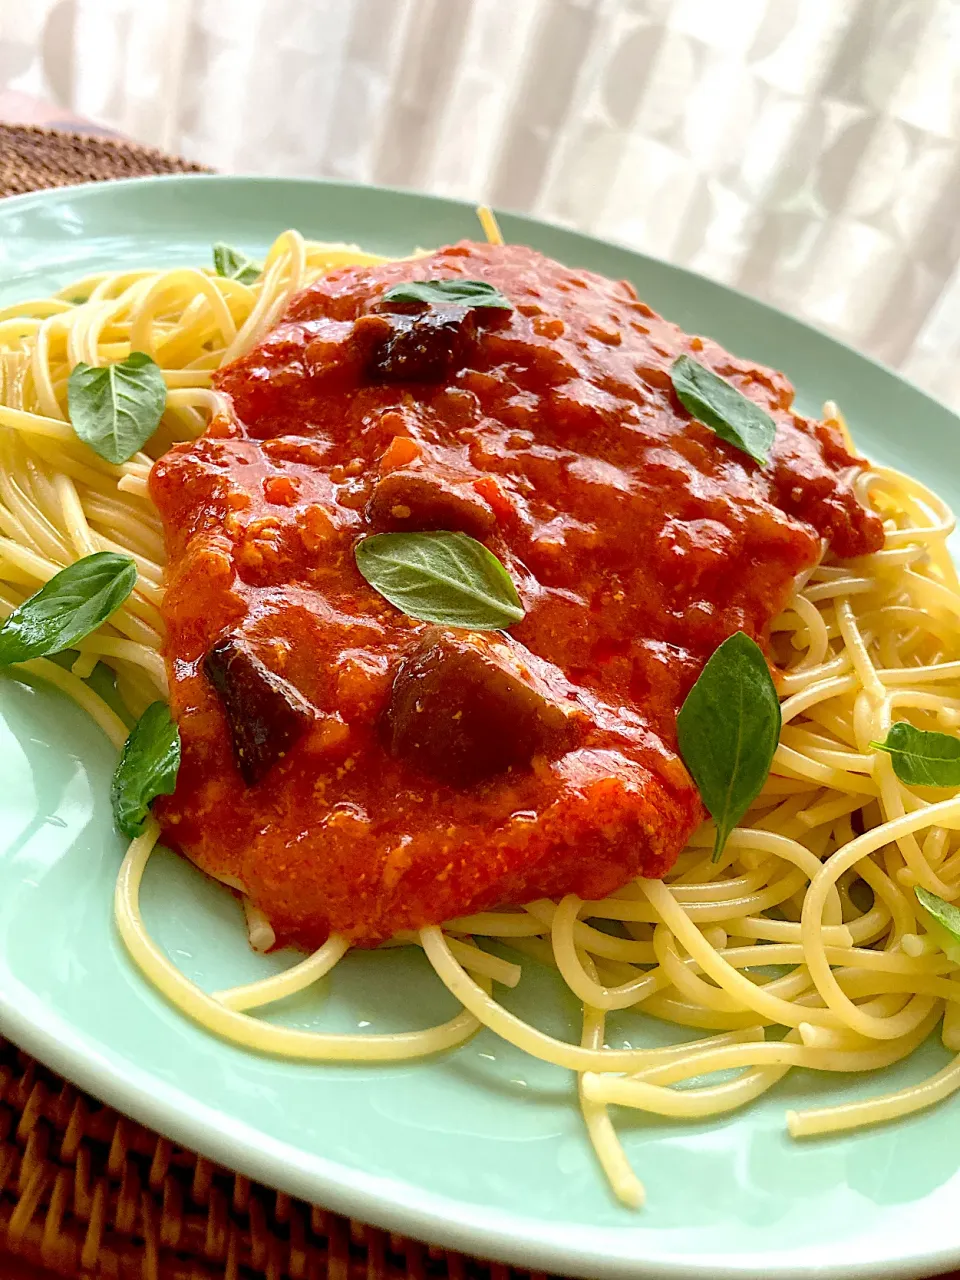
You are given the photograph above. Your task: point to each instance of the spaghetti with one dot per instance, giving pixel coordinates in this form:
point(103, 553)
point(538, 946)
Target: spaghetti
point(807, 926)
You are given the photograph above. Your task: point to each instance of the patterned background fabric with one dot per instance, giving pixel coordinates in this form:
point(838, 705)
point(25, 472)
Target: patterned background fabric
point(807, 151)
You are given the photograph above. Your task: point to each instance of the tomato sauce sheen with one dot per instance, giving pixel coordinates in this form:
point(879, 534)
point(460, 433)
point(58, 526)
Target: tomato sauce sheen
point(638, 541)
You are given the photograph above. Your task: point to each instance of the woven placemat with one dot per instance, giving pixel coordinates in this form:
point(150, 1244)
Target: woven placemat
point(87, 1192)
point(31, 158)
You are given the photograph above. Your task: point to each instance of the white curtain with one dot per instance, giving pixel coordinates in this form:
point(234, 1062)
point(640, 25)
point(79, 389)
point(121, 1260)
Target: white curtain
point(807, 151)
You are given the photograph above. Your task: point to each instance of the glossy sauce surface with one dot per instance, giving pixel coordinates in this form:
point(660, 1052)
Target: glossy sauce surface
point(637, 539)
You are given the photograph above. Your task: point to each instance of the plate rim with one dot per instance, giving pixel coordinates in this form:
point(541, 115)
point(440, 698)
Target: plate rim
point(378, 1199)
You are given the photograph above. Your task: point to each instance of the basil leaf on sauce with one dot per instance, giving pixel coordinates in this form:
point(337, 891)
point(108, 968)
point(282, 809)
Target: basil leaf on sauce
point(921, 757)
point(466, 293)
point(72, 604)
point(117, 408)
point(942, 921)
point(448, 578)
point(721, 407)
point(728, 729)
point(234, 263)
point(147, 768)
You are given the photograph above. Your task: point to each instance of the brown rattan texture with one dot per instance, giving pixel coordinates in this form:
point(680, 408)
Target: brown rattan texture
point(86, 1192)
point(31, 158)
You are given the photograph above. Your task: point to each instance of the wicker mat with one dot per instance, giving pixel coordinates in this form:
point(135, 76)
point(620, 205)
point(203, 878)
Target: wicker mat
point(86, 1192)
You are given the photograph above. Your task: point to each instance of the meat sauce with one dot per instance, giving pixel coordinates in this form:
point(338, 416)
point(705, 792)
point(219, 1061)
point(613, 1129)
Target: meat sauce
point(419, 773)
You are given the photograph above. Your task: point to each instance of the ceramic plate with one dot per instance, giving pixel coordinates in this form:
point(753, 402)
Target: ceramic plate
point(483, 1149)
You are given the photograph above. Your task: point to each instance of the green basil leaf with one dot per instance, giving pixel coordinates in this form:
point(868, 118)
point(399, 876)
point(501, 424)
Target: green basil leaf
point(943, 922)
point(117, 408)
point(728, 729)
point(922, 758)
point(721, 407)
point(234, 263)
point(72, 604)
point(448, 578)
point(148, 768)
point(466, 293)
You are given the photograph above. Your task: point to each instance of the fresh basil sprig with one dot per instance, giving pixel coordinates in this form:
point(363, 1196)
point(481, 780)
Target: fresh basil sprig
point(922, 757)
point(728, 729)
point(117, 408)
point(147, 768)
point(442, 577)
point(721, 407)
point(942, 921)
point(465, 293)
point(234, 263)
point(72, 604)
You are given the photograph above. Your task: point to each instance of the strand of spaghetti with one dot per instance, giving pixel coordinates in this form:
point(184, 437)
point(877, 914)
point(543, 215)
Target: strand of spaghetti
point(497, 925)
point(783, 847)
point(932, 593)
point(238, 1027)
point(40, 367)
point(843, 588)
point(891, 896)
point(819, 690)
point(941, 515)
point(683, 1013)
point(572, 967)
point(274, 293)
point(478, 961)
point(491, 228)
point(199, 395)
point(770, 1053)
point(950, 1033)
point(931, 674)
point(791, 683)
point(595, 942)
point(627, 1187)
point(688, 983)
point(891, 794)
point(692, 890)
point(190, 283)
point(723, 974)
point(934, 964)
point(254, 995)
point(514, 1029)
point(685, 1104)
point(776, 892)
point(82, 695)
point(73, 516)
point(889, 1106)
point(946, 813)
point(818, 639)
point(787, 760)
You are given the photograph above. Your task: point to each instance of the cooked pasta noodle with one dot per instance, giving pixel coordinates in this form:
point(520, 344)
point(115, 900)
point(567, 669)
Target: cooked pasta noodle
point(807, 924)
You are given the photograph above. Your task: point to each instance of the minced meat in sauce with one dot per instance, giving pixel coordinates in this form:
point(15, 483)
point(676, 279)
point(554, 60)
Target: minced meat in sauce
point(422, 773)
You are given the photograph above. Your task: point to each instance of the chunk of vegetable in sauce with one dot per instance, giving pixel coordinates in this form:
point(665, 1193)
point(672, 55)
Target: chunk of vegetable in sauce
point(266, 715)
point(423, 347)
point(465, 706)
point(423, 500)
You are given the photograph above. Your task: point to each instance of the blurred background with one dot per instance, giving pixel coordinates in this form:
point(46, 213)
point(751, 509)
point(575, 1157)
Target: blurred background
point(806, 151)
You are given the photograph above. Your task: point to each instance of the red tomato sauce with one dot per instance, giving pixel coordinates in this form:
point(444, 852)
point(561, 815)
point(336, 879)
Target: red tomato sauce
point(638, 541)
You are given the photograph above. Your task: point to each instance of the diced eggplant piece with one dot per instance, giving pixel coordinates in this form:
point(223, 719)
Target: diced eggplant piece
point(420, 499)
point(466, 706)
point(265, 713)
point(420, 347)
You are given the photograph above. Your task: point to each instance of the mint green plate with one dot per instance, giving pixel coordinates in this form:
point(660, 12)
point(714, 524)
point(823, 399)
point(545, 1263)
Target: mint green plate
point(482, 1149)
